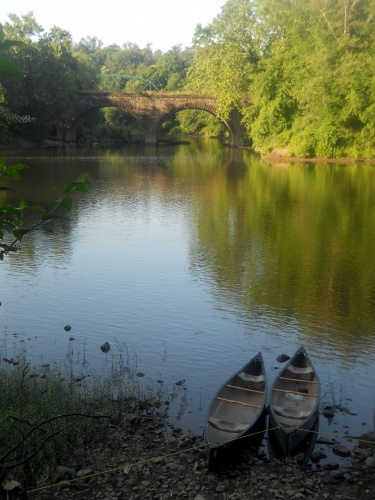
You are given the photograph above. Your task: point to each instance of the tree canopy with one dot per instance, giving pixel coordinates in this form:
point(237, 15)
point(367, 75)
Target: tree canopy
point(301, 72)
point(307, 67)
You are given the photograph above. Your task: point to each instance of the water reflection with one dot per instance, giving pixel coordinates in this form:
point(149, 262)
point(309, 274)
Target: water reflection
point(201, 238)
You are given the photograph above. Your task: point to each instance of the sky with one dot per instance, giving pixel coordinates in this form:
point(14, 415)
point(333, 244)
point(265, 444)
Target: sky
point(163, 23)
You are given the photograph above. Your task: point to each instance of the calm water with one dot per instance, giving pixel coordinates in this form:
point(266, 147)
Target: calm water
point(197, 257)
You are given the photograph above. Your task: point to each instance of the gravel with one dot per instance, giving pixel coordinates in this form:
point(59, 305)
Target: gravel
point(138, 461)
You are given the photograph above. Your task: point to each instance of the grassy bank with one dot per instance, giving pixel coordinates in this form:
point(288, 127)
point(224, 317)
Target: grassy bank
point(52, 414)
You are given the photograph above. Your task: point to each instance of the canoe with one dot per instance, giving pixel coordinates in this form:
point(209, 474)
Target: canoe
point(236, 413)
point(294, 401)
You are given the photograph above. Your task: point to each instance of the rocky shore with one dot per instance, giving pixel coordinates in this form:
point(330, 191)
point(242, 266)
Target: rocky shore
point(138, 461)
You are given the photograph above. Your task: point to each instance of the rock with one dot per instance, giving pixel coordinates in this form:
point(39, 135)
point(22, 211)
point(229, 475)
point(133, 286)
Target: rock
point(132, 418)
point(10, 485)
point(323, 440)
point(370, 462)
point(85, 474)
point(221, 488)
point(329, 411)
point(300, 457)
point(281, 358)
point(360, 452)
point(105, 347)
point(67, 328)
point(367, 440)
point(340, 449)
point(336, 474)
point(62, 473)
point(333, 465)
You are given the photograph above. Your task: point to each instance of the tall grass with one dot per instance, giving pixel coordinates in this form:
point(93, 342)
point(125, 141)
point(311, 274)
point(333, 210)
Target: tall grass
point(51, 415)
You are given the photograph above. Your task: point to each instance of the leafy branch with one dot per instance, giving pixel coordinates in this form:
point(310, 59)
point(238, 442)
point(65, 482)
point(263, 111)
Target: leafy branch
point(13, 218)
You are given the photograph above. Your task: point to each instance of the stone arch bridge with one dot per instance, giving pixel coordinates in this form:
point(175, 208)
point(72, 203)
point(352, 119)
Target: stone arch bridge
point(150, 109)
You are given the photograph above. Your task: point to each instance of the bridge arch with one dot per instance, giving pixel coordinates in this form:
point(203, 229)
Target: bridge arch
point(149, 109)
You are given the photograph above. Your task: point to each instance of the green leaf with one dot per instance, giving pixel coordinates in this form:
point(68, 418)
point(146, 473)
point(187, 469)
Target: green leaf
point(20, 233)
point(8, 67)
point(70, 186)
point(82, 188)
point(67, 203)
point(36, 208)
point(82, 177)
point(12, 171)
point(3, 188)
point(77, 185)
point(22, 204)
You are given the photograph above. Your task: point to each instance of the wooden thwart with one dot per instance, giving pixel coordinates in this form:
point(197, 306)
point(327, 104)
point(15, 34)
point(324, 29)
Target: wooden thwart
point(296, 392)
point(244, 389)
point(237, 402)
point(299, 380)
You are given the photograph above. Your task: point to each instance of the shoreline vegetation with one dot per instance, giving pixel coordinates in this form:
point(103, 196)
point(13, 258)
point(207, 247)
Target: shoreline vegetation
point(68, 432)
point(303, 84)
point(276, 156)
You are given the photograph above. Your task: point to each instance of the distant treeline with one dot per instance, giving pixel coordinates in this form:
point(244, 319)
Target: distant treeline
point(302, 72)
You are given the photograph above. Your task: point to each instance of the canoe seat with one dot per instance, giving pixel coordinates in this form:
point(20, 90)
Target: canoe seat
point(291, 413)
point(250, 378)
point(223, 425)
point(300, 370)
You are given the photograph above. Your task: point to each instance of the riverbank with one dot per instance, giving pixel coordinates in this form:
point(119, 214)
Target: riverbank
point(138, 462)
point(281, 155)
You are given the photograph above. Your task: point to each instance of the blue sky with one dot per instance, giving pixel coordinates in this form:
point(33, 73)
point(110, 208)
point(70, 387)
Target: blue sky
point(163, 23)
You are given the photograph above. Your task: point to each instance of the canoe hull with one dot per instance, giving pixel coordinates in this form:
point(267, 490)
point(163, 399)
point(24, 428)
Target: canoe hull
point(236, 416)
point(289, 438)
point(294, 402)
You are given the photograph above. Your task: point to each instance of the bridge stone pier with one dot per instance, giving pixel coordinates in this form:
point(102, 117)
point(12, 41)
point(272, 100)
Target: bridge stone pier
point(150, 109)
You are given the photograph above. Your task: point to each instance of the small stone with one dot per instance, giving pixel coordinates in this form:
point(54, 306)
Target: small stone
point(340, 449)
point(360, 452)
point(329, 412)
point(105, 347)
point(10, 485)
point(300, 457)
point(72, 338)
point(221, 488)
point(140, 374)
point(333, 465)
point(370, 462)
point(281, 358)
point(84, 474)
point(336, 474)
point(324, 440)
point(62, 473)
point(67, 328)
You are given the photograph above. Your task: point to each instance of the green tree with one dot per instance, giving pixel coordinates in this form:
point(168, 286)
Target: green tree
point(301, 71)
point(14, 223)
point(224, 54)
point(51, 75)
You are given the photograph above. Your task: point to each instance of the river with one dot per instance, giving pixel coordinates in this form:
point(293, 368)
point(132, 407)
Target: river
point(196, 257)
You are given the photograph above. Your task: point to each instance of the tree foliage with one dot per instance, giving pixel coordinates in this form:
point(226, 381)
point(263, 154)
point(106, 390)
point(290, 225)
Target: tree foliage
point(302, 73)
point(308, 67)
